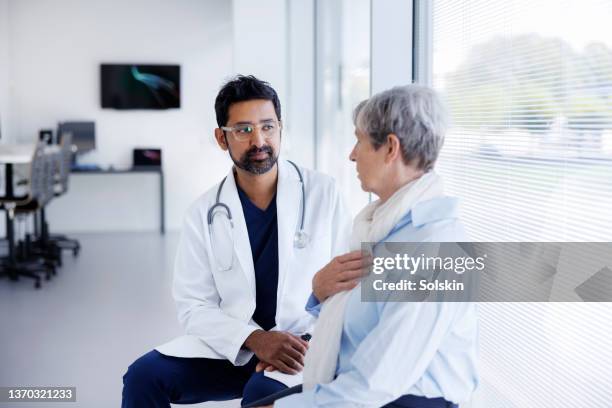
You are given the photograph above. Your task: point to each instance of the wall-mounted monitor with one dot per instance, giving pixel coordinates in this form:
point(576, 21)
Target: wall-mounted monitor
point(136, 86)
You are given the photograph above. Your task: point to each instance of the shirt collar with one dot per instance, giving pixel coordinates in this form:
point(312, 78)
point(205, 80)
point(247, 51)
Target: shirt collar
point(436, 209)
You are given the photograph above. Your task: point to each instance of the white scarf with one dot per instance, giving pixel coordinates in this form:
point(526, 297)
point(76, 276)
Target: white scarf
point(372, 224)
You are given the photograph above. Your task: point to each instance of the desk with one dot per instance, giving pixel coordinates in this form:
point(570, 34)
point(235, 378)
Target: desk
point(154, 170)
point(16, 153)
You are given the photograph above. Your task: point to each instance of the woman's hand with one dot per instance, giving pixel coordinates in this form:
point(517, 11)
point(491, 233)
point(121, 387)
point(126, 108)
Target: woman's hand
point(342, 273)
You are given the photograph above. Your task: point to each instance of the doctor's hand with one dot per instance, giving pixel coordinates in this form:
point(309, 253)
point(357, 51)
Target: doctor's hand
point(342, 273)
point(282, 350)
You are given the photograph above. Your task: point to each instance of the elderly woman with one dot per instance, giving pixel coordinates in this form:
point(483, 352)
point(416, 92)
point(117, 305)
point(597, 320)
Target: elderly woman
point(392, 354)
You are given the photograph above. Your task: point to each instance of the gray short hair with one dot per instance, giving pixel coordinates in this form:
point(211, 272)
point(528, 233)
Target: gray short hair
point(414, 113)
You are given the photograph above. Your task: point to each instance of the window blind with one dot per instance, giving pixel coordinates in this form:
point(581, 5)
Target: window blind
point(529, 152)
point(529, 85)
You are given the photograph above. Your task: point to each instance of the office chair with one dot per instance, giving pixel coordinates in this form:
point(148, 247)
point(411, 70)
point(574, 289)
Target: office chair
point(44, 244)
point(39, 247)
point(60, 187)
point(13, 265)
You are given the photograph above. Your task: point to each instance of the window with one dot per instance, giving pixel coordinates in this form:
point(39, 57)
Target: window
point(529, 85)
point(343, 80)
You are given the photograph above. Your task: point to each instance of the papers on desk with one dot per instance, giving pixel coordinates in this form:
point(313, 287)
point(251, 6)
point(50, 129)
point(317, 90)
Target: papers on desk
point(287, 379)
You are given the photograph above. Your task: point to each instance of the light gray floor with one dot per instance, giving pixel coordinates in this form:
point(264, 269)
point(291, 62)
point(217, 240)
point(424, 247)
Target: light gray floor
point(83, 328)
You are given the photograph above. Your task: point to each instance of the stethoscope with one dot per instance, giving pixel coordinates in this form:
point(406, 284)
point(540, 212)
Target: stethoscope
point(300, 239)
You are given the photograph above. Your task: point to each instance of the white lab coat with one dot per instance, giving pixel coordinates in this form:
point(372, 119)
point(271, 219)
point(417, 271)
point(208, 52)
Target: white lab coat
point(215, 307)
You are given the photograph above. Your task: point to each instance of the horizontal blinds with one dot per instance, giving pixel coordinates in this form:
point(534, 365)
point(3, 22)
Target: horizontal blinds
point(529, 152)
point(531, 138)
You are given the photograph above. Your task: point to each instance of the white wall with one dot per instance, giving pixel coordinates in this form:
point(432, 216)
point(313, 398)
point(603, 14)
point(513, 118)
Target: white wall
point(299, 105)
point(260, 43)
point(57, 46)
point(4, 69)
point(274, 40)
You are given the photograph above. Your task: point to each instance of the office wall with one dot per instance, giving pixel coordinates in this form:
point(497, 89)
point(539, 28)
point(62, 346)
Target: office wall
point(260, 44)
point(300, 108)
point(4, 69)
point(281, 52)
point(56, 48)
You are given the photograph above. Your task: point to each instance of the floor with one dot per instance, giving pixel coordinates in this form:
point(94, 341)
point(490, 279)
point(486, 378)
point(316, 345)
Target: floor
point(113, 303)
point(104, 309)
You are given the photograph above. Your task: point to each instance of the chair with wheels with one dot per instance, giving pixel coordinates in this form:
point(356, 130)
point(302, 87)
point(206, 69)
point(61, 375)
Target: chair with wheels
point(13, 265)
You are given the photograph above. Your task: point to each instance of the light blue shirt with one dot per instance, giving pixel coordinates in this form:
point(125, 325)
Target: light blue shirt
point(390, 349)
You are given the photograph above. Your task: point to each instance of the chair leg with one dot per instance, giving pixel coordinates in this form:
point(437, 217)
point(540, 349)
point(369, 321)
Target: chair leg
point(29, 268)
point(68, 244)
point(18, 272)
point(43, 266)
point(33, 276)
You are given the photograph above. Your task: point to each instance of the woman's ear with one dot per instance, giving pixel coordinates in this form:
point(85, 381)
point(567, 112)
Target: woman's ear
point(394, 148)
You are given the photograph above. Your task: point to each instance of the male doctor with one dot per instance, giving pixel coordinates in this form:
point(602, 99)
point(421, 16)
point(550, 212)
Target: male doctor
point(249, 249)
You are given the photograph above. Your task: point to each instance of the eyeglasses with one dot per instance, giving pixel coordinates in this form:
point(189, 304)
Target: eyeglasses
point(244, 131)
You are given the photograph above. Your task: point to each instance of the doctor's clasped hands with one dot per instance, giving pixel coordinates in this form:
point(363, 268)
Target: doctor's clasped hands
point(277, 350)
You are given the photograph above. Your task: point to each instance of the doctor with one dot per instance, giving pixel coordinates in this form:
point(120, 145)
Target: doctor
point(249, 249)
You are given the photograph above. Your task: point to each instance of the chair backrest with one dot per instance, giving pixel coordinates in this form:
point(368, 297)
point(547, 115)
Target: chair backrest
point(51, 162)
point(65, 162)
point(38, 169)
point(39, 179)
point(36, 176)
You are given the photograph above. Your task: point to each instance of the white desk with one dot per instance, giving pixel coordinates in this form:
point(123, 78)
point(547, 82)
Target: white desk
point(110, 200)
point(97, 203)
point(16, 153)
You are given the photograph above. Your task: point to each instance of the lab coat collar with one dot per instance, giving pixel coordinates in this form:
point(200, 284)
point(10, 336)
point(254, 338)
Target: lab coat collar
point(288, 201)
point(288, 207)
point(242, 245)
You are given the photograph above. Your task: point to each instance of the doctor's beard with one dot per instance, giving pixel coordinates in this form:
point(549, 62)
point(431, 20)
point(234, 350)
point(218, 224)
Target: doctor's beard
point(254, 166)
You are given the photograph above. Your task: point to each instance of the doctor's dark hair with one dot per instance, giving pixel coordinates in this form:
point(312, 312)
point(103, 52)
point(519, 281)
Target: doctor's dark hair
point(244, 88)
point(414, 113)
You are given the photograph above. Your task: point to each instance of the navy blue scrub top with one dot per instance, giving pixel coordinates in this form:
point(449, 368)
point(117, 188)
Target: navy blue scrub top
point(263, 236)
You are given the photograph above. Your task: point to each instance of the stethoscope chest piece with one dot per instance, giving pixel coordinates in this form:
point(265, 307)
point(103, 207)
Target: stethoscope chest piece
point(300, 240)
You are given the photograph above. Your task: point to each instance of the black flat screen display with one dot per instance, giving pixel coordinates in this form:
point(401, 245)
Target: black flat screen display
point(135, 86)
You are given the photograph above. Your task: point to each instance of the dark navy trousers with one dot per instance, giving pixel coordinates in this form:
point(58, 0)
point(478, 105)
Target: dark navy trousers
point(155, 380)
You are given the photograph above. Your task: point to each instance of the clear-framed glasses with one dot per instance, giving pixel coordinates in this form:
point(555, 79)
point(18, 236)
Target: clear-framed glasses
point(243, 131)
